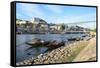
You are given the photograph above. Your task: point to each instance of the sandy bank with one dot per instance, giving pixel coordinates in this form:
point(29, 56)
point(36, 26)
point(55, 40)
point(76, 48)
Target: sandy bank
point(88, 53)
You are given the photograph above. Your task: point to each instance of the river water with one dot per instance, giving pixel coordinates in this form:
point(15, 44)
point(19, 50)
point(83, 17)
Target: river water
point(24, 51)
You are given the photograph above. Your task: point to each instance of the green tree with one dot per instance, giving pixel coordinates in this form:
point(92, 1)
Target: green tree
point(62, 27)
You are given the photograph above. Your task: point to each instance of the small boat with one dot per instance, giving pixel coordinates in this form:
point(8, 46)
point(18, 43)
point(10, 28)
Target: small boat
point(50, 44)
point(55, 44)
point(37, 42)
point(75, 39)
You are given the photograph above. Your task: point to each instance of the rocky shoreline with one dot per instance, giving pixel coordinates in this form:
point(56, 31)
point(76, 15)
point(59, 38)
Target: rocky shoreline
point(48, 57)
point(62, 54)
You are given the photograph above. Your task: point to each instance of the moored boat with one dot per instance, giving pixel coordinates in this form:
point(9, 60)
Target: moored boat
point(50, 44)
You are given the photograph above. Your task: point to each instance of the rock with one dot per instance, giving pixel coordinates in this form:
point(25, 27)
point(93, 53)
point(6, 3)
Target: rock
point(26, 61)
point(55, 56)
point(17, 64)
point(29, 63)
point(21, 63)
point(46, 62)
point(40, 56)
point(32, 58)
point(52, 61)
point(69, 54)
point(35, 60)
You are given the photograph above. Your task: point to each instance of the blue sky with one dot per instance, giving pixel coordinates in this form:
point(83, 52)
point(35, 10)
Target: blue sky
point(57, 14)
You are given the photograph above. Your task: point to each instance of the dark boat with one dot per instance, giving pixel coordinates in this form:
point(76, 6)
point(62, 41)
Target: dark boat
point(55, 44)
point(37, 42)
point(74, 39)
point(50, 44)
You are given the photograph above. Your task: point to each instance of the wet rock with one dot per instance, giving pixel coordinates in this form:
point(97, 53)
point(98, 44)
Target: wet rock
point(25, 61)
point(32, 58)
point(40, 56)
point(30, 63)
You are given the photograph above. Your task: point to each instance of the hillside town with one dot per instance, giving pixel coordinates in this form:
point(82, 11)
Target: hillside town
point(40, 26)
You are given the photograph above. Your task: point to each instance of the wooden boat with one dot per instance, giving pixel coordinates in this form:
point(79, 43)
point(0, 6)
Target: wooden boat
point(37, 42)
point(50, 44)
point(55, 44)
point(74, 39)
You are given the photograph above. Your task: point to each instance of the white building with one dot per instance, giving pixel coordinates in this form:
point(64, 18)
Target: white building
point(37, 21)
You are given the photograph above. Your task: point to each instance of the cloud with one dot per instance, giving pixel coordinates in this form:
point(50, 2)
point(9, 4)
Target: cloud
point(18, 15)
point(72, 19)
point(29, 10)
point(83, 17)
point(54, 8)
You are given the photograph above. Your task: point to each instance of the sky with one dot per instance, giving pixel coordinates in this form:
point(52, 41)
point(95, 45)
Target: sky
point(57, 14)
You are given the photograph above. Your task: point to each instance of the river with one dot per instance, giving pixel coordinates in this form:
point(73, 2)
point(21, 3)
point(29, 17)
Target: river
point(24, 51)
